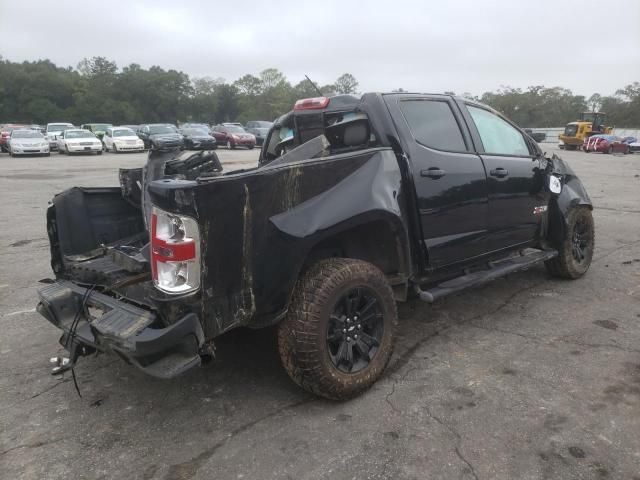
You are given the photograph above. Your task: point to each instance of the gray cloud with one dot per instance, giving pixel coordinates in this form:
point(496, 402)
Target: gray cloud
point(464, 46)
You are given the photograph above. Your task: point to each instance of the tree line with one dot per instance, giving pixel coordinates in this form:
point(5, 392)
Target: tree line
point(98, 91)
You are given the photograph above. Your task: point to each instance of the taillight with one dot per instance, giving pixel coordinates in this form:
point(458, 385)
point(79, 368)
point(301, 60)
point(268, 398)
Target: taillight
point(175, 252)
point(311, 103)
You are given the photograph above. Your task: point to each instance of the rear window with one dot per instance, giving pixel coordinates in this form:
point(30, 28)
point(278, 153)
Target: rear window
point(432, 124)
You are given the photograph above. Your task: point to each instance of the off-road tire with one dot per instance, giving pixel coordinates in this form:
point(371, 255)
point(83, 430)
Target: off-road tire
point(302, 335)
point(565, 265)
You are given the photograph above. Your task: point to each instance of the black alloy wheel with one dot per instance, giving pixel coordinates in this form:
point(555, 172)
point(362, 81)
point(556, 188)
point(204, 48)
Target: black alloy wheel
point(355, 330)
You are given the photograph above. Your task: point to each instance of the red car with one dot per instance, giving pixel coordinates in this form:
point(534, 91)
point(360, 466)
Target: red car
point(5, 134)
point(605, 144)
point(233, 136)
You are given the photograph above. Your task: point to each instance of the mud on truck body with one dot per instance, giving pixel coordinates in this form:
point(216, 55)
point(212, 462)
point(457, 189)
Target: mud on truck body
point(356, 203)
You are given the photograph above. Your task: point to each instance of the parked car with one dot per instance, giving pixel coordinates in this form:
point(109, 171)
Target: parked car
point(634, 147)
point(198, 139)
point(200, 126)
point(28, 142)
point(52, 132)
point(160, 135)
point(258, 129)
point(122, 139)
point(98, 129)
point(373, 198)
point(132, 127)
point(5, 134)
point(233, 136)
point(537, 136)
point(605, 144)
point(77, 140)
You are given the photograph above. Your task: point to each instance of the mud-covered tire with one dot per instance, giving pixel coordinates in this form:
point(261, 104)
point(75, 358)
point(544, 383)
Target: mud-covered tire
point(303, 340)
point(568, 264)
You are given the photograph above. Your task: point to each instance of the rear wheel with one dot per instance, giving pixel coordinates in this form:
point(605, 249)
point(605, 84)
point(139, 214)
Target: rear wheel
point(576, 251)
point(339, 332)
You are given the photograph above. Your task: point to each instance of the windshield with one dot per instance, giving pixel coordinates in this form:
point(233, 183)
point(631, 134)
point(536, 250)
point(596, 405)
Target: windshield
point(194, 131)
point(124, 132)
point(79, 134)
point(234, 129)
point(58, 127)
point(26, 134)
point(157, 129)
point(571, 130)
point(100, 127)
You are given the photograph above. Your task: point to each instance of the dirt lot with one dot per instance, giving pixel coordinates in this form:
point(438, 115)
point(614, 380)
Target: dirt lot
point(526, 378)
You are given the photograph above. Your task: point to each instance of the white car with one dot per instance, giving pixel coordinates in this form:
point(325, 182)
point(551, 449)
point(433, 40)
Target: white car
point(78, 141)
point(53, 130)
point(28, 142)
point(122, 139)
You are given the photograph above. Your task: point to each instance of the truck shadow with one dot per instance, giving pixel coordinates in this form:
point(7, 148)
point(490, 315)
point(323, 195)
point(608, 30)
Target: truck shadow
point(246, 377)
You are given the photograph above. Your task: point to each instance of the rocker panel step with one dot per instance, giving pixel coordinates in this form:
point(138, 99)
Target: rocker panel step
point(497, 270)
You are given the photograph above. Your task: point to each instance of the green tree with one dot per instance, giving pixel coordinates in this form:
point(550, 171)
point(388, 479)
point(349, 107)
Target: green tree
point(346, 84)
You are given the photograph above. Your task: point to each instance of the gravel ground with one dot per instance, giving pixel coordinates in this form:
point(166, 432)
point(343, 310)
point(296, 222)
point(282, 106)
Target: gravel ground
point(526, 378)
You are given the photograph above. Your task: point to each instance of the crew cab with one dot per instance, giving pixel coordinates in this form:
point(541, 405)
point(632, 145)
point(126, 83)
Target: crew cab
point(356, 204)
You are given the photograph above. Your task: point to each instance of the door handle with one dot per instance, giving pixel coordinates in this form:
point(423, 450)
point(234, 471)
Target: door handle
point(499, 172)
point(433, 172)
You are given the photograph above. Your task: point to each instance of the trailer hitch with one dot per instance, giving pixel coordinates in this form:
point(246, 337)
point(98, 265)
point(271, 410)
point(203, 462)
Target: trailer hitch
point(64, 364)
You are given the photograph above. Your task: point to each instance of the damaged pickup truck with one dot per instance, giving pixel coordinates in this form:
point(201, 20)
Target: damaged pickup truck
point(356, 203)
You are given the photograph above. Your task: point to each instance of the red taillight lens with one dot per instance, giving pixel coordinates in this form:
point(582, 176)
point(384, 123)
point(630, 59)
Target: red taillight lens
point(315, 103)
point(175, 252)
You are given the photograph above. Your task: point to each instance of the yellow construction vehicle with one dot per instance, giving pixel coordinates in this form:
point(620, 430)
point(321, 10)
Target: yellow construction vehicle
point(590, 123)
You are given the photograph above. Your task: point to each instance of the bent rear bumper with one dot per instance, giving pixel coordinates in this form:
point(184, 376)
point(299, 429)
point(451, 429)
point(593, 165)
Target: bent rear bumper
point(107, 324)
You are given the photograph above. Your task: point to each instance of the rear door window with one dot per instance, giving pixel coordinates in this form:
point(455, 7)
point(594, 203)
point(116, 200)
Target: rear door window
point(433, 124)
point(498, 136)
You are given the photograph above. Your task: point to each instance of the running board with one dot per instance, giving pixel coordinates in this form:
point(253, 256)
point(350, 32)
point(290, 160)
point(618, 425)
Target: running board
point(496, 270)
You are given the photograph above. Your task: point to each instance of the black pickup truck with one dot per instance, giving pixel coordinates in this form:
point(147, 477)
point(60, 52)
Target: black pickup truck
point(356, 203)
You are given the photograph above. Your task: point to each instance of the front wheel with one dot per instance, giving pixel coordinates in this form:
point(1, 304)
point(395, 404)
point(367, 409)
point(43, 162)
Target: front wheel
point(576, 251)
point(339, 332)
point(99, 152)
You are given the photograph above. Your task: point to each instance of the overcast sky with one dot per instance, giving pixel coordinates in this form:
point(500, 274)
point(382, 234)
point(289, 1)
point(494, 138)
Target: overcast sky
point(465, 46)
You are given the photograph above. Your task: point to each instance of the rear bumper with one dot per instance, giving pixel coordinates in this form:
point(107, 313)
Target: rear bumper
point(133, 333)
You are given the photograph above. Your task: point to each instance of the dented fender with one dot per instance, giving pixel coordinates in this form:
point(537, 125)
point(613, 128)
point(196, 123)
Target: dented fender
point(573, 194)
point(259, 227)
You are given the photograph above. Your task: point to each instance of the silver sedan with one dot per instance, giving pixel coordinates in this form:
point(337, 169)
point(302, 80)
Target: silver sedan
point(28, 142)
